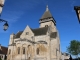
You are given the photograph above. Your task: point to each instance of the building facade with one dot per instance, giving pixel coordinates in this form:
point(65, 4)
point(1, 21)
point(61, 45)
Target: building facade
point(42, 43)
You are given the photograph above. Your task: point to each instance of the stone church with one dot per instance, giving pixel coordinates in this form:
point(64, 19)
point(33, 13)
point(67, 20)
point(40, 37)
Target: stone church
point(42, 43)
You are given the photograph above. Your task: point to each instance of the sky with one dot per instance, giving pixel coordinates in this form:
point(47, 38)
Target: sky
point(20, 13)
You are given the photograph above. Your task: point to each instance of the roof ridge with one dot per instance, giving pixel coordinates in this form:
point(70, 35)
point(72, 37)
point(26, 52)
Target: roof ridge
point(4, 46)
point(39, 28)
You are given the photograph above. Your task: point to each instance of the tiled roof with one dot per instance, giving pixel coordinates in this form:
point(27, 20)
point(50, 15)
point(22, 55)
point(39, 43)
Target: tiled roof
point(18, 34)
point(46, 14)
point(3, 50)
point(77, 8)
point(40, 31)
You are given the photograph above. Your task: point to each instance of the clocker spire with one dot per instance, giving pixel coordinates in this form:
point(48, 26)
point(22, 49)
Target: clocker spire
point(47, 16)
point(47, 8)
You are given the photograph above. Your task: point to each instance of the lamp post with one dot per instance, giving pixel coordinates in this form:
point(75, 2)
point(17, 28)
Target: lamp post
point(5, 25)
point(1, 20)
point(77, 9)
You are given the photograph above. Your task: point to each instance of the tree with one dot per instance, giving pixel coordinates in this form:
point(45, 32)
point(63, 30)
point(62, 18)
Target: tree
point(0, 59)
point(74, 48)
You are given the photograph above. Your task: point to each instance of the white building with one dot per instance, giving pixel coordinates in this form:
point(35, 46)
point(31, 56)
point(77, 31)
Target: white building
point(36, 44)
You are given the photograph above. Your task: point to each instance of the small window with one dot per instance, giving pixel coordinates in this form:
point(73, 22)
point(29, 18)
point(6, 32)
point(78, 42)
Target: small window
point(18, 50)
point(46, 25)
point(23, 50)
point(28, 46)
point(37, 51)
point(27, 33)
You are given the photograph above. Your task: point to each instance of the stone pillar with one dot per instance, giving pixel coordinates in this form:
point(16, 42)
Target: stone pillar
point(3, 58)
point(62, 57)
point(49, 51)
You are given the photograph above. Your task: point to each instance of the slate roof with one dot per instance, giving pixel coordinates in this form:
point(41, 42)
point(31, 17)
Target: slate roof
point(53, 35)
point(77, 8)
point(3, 50)
point(18, 34)
point(40, 31)
point(46, 14)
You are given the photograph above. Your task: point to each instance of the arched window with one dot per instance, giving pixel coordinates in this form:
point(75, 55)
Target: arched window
point(18, 50)
point(37, 51)
point(28, 46)
point(9, 51)
point(29, 58)
point(23, 50)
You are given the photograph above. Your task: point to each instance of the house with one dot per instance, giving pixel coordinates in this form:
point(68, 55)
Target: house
point(3, 52)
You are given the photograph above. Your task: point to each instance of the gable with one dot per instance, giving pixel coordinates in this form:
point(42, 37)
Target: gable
point(27, 30)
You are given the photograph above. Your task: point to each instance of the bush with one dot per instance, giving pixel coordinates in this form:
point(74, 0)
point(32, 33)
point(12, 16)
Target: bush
point(0, 59)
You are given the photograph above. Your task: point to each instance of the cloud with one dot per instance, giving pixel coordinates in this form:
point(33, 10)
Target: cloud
point(15, 9)
point(72, 3)
point(12, 16)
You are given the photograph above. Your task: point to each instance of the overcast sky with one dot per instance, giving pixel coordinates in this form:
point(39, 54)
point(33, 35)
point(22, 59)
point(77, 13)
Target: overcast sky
point(20, 13)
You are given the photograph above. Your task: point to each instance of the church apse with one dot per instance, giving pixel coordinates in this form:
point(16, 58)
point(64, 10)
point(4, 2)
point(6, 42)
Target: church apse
point(41, 50)
point(37, 44)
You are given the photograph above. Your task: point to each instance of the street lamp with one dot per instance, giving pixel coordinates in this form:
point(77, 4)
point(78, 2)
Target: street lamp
point(77, 9)
point(1, 20)
point(5, 25)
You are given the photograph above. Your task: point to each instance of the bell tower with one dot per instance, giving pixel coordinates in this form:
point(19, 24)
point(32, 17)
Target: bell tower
point(47, 19)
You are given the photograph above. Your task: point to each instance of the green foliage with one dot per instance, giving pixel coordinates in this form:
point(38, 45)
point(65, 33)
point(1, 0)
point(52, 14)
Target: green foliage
point(0, 59)
point(74, 47)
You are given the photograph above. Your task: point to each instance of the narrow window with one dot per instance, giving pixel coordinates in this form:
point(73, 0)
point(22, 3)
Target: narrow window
point(37, 51)
point(29, 58)
point(9, 51)
point(23, 50)
point(56, 52)
point(27, 33)
point(59, 47)
point(18, 50)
